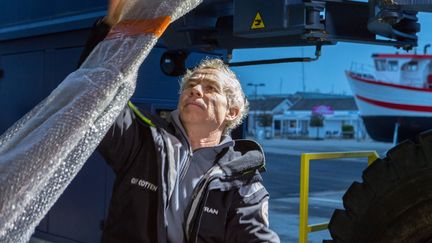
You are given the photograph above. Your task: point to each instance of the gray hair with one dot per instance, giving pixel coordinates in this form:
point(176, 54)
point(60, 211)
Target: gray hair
point(231, 89)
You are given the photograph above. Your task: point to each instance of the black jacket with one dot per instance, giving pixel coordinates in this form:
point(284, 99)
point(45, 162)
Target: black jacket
point(228, 205)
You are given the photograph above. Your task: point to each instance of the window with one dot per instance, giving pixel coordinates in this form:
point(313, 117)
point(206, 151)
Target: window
point(380, 65)
point(393, 65)
point(277, 124)
point(411, 66)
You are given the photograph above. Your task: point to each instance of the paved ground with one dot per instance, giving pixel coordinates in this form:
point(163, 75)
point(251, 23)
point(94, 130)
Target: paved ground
point(285, 146)
point(329, 179)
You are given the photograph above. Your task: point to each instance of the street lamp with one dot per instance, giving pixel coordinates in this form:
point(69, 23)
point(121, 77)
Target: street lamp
point(256, 88)
point(255, 85)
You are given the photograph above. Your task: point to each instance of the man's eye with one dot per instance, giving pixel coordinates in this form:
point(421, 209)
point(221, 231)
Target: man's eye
point(212, 88)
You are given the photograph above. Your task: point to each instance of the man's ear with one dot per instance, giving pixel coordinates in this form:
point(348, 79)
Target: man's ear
point(232, 113)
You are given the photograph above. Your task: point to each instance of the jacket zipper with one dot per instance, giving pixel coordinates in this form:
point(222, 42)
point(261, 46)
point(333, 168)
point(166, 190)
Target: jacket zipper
point(185, 166)
point(203, 186)
point(197, 222)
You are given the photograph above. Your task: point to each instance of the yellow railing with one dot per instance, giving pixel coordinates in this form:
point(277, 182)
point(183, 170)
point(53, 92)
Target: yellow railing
point(304, 228)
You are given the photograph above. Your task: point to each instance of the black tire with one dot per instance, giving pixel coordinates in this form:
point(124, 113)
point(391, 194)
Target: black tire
point(394, 201)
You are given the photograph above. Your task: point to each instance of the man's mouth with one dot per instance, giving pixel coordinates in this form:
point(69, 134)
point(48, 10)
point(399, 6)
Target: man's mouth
point(195, 103)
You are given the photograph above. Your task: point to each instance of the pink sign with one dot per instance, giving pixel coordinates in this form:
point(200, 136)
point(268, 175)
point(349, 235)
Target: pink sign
point(322, 109)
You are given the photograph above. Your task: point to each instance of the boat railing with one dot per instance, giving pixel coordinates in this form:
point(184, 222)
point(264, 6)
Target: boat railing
point(363, 70)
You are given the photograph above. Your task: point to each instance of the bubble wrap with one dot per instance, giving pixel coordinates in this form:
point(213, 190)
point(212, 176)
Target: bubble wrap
point(42, 152)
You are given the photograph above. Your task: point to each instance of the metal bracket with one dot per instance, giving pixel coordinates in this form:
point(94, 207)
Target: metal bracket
point(281, 60)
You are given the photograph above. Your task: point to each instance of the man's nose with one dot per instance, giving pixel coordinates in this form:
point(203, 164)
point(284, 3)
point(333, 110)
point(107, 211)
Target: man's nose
point(197, 90)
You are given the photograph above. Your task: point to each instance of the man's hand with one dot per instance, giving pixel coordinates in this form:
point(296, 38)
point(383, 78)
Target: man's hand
point(115, 9)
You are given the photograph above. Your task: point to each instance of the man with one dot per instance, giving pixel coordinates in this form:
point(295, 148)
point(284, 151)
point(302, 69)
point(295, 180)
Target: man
point(186, 180)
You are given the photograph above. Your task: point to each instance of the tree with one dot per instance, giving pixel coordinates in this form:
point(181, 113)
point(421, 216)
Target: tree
point(316, 120)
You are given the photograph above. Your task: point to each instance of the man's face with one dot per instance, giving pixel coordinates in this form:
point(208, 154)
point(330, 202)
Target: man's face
point(203, 102)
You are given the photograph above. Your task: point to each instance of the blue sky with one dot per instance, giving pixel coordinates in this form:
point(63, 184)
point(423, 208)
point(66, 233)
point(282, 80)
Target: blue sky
point(325, 75)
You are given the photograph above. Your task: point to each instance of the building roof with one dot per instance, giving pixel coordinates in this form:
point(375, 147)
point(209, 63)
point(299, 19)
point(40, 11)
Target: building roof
point(303, 101)
point(317, 95)
point(341, 103)
point(265, 104)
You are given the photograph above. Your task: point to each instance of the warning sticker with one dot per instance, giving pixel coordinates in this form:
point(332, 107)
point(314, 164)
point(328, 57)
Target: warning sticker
point(258, 22)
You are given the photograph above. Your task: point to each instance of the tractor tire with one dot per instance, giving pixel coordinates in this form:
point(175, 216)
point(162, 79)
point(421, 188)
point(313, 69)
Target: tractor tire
point(394, 201)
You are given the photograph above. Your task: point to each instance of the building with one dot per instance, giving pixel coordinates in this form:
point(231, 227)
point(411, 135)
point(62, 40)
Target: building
point(263, 108)
point(291, 118)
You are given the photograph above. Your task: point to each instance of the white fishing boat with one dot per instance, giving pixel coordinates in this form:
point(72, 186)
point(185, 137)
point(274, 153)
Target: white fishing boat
point(395, 100)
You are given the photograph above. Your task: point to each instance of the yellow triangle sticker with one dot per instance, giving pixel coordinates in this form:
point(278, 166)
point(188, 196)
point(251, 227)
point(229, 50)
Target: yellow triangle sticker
point(258, 22)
